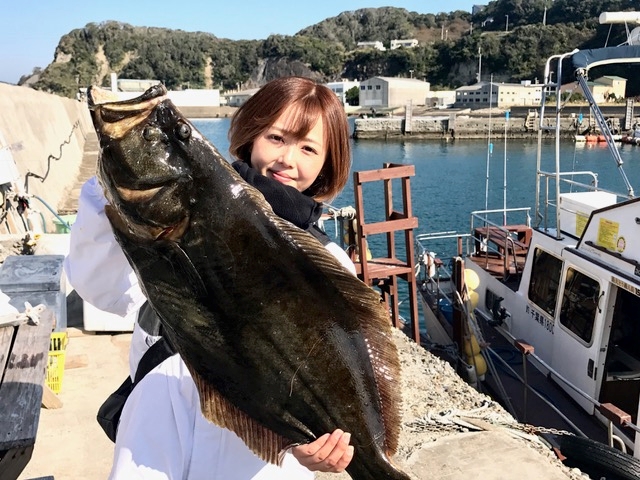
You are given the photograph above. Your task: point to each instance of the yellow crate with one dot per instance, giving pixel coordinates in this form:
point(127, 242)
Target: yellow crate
point(55, 365)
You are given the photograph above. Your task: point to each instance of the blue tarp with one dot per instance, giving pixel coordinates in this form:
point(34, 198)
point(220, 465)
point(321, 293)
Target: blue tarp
point(585, 59)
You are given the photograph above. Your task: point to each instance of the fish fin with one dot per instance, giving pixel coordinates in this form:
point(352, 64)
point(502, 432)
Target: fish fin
point(265, 443)
point(374, 322)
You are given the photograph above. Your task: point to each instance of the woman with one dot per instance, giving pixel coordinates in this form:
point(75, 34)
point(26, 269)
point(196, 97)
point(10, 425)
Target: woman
point(291, 141)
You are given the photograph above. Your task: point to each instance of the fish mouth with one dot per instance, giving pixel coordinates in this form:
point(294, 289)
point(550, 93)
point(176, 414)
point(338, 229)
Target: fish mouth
point(137, 196)
point(146, 232)
point(113, 118)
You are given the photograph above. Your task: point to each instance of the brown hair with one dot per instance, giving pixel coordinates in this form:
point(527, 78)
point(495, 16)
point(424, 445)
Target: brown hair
point(311, 99)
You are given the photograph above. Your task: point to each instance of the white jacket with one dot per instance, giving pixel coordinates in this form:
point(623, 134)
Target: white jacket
point(162, 433)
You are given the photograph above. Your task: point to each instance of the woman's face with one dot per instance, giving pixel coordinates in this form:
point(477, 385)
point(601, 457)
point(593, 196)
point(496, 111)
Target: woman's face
point(277, 154)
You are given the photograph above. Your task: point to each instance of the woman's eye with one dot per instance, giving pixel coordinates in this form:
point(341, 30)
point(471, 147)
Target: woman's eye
point(310, 149)
point(276, 138)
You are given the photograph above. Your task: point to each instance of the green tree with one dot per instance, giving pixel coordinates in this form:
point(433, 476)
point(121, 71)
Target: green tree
point(353, 96)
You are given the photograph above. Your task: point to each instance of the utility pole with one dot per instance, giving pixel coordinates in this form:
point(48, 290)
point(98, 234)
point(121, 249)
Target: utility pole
point(479, 63)
point(506, 28)
point(544, 16)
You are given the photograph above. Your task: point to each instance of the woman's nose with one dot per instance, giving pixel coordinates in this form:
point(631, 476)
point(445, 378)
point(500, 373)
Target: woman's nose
point(287, 154)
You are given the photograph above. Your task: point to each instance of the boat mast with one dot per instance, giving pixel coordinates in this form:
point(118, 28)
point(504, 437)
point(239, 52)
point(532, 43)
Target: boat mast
point(504, 186)
point(489, 147)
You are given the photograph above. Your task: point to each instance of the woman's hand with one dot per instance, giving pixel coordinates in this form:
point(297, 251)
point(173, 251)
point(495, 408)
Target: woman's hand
point(329, 453)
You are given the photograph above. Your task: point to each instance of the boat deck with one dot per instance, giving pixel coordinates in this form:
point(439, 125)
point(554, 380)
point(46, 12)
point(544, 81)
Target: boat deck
point(535, 411)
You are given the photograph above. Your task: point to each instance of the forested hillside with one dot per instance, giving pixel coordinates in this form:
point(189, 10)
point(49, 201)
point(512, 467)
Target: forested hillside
point(514, 37)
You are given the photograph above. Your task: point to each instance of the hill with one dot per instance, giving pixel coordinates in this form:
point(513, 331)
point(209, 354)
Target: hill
point(514, 38)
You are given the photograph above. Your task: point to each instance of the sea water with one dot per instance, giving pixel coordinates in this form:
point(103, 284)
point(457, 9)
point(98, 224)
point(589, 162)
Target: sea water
point(454, 178)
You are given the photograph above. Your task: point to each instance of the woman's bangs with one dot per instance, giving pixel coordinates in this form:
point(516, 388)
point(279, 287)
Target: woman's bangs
point(304, 117)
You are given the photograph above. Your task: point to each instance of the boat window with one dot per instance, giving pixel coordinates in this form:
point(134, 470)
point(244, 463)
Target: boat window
point(625, 330)
point(545, 278)
point(579, 304)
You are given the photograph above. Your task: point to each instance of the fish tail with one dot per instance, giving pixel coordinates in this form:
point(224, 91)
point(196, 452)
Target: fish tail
point(383, 469)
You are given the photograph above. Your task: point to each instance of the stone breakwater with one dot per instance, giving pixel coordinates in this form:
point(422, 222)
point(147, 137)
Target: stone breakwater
point(475, 125)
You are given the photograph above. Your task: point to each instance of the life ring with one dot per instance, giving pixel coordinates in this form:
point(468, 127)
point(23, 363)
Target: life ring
point(587, 454)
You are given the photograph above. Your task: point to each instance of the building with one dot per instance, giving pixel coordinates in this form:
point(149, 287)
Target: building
point(503, 95)
point(128, 88)
point(133, 85)
point(195, 97)
point(341, 88)
point(441, 99)
point(604, 87)
point(236, 99)
point(377, 45)
point(389, 92)
point(408, 43)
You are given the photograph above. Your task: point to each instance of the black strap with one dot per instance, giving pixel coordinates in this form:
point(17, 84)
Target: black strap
point(157, 353)
point(109, 412)
point(149, 321)
point(317, 232)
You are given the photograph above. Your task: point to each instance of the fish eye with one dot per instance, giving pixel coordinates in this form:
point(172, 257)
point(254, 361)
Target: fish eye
point(183, 131)
point(151, 133)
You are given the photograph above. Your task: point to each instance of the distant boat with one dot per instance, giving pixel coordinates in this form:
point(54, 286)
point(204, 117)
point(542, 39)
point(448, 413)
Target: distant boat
point(632, 138)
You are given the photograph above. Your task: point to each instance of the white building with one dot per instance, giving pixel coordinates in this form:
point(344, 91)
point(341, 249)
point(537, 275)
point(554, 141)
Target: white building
point(409, 43)
point(390, 92)
point(377, 45)
point(195, 97)
point(236, 99)
point(341, 88)
point(128, 88)
point(603, 87)
point(441, 99)
point(502, 95)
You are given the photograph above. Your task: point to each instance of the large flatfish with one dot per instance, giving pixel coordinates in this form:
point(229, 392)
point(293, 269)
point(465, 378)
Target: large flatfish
point(284, 344)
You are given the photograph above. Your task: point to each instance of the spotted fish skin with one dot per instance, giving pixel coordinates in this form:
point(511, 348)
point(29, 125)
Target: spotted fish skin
point(284, 344)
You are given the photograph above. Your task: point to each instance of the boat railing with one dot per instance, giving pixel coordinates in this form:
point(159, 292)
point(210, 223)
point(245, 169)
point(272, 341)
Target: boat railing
point(484, 218)
point(424, 238)
point(567, 179)
point(501, 241)
point(427, 246)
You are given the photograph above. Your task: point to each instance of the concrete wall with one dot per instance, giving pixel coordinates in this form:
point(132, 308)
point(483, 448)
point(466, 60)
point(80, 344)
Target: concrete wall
point(46, 135)
point(463, 126)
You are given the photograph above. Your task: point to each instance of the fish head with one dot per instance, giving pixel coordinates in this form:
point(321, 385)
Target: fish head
point(143, 164)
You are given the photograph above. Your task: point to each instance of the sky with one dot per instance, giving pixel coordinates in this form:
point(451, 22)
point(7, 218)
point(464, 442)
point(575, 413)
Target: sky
point(31, 29)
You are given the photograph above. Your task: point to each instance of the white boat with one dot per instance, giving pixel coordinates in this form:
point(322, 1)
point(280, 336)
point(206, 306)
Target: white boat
point(559, 294)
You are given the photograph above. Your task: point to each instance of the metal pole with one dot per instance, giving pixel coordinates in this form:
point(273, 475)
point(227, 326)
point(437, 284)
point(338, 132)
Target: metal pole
point(504, 193)
point(489, 147)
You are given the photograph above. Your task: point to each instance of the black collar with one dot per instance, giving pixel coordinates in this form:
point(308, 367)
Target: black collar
point(286, 201)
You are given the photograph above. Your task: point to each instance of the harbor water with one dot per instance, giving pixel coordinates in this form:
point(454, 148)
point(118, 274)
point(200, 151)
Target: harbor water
point(454, 178)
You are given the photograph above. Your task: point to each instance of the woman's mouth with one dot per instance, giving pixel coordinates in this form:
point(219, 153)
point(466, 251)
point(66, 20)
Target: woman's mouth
point(280, 176)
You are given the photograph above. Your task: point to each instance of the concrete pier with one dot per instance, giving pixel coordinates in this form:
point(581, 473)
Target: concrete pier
point(45, 135)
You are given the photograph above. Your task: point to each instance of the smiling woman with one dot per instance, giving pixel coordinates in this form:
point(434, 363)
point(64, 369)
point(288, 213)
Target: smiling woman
point(305, 125)
point(279, 155)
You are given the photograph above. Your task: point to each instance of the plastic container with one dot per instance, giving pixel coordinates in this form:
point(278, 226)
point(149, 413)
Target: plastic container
point(61, 227)
point(37, 279)
point(96, 320)
point(55, 365)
